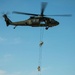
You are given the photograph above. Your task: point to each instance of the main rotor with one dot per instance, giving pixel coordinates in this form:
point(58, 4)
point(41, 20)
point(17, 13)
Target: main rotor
point(43, 7)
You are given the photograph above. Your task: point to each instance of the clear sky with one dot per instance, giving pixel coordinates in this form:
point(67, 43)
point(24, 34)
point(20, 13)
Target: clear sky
point(19, 48)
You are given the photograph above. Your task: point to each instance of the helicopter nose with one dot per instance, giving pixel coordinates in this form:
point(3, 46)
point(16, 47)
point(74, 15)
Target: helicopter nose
point(57, 22)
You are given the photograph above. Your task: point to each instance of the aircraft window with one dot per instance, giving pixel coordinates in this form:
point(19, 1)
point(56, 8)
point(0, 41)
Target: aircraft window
point(29, 22)
point(51, 19)
point(35, 20)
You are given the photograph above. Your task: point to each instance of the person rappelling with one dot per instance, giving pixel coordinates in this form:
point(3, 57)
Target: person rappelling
point(41, 43)
point(39, 69)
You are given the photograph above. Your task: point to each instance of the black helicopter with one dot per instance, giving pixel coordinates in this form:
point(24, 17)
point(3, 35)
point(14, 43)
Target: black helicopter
point(35, 20)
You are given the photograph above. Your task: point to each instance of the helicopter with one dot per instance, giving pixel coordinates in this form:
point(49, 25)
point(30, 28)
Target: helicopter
point(35, 20)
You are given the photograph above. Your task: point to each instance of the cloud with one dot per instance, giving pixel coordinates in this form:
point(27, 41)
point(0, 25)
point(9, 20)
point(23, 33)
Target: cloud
point(2, 39)
point(10, 41)
point(16, 73)
point(5, 59)
point(2, 72)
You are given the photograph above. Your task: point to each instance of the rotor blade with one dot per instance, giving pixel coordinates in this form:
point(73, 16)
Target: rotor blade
point(43, 6)
point(25, 13)
point(65, 15)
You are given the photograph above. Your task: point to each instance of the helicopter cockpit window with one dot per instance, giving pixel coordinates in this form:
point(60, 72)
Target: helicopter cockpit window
point(52, 20)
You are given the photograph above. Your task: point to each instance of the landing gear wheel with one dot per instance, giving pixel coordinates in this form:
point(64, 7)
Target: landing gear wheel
point(46, 28)
point(14, 27)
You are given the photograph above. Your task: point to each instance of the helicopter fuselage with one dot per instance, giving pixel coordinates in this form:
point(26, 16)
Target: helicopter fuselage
point(38, 21)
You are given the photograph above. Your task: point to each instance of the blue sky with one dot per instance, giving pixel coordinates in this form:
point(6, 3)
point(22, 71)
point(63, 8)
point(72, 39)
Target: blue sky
point(19, 48)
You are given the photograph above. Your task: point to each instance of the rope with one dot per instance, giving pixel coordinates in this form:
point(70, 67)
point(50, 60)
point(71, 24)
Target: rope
point(40, 49)
point(41, 33)
point(40, 55)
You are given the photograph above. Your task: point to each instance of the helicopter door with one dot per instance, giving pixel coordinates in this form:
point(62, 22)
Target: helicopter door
point(42, 22)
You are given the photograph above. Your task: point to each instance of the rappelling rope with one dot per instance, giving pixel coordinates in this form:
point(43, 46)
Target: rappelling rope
point(41, 33)
point(40, 49)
